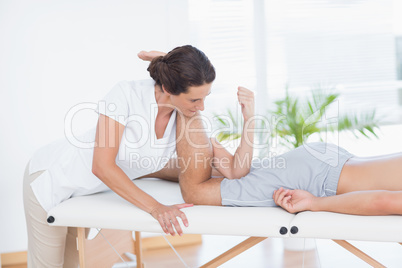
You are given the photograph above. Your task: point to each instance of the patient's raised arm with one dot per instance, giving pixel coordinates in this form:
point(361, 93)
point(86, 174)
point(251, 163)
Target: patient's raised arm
point(238, 165)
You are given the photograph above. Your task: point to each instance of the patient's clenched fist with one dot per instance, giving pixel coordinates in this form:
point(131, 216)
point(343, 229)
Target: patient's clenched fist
point(246, 101)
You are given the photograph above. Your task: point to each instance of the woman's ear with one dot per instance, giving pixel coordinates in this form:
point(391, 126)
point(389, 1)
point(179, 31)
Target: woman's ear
point(165, 91)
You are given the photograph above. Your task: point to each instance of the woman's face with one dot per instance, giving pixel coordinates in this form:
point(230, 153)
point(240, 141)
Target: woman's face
point(192, 101)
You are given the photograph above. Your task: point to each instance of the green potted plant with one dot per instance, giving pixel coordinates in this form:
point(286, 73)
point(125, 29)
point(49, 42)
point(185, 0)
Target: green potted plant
point(297, 119)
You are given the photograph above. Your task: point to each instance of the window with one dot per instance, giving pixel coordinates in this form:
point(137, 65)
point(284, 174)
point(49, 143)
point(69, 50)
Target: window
point(348, 45)
point(398, 41)
point(224, 31)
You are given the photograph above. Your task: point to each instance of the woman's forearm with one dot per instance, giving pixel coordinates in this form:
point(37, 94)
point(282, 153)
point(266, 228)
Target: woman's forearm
point(114, 177)
point(118, 181)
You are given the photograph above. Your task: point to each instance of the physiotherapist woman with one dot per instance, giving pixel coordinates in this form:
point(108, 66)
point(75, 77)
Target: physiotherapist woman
point(137, 120)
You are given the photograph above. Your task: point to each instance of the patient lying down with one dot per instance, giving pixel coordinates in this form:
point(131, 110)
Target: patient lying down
point(315, 177)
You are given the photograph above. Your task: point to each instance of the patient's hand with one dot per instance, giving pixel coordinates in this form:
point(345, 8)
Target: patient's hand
point(149, 55)
point(246, 100)
point(293, 200)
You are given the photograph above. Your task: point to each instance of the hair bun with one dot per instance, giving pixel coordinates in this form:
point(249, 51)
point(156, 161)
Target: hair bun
point(181, 68)
point(155, 68)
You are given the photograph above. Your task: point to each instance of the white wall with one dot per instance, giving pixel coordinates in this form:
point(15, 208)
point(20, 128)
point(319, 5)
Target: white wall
point(56, 54)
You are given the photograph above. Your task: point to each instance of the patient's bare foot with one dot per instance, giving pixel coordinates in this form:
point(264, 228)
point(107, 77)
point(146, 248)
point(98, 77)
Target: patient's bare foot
point(149, 55)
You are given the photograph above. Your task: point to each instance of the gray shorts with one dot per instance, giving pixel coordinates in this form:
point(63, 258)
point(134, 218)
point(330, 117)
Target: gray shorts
point(314, 167)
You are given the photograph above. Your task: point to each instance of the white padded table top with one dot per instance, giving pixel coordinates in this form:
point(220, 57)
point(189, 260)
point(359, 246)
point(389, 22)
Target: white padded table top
point(109, 211)
point(329, 225)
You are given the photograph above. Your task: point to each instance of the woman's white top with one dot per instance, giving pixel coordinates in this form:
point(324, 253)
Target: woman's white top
point(68, 162)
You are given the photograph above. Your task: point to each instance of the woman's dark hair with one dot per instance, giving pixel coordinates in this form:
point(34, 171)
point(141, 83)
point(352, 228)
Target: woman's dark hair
point(182, 68)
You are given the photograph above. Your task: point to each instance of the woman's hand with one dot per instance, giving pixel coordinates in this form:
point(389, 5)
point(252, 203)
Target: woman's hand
point(166, 216)
point(293, 200)
point(246, 100)
point(149, 55)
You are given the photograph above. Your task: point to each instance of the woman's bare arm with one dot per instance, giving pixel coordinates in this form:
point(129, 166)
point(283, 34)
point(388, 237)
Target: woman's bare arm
point(107, 140)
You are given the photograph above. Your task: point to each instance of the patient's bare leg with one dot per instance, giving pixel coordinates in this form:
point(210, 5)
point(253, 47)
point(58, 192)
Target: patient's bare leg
point(195, 153)
point(371, 173)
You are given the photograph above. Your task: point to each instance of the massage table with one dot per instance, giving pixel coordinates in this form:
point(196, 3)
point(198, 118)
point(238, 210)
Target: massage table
point(107, 210)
